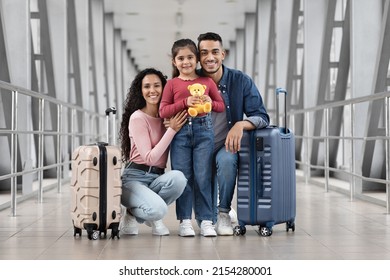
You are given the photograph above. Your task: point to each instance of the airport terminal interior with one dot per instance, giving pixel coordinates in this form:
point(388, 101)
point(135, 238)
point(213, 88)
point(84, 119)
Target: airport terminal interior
point(64, 62)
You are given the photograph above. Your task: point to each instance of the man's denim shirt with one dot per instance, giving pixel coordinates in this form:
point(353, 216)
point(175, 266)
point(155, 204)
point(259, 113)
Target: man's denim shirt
point(239, 89)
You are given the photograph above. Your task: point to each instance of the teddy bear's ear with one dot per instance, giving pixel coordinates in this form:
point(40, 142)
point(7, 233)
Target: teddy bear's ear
point(189, 87)
point(204, 86)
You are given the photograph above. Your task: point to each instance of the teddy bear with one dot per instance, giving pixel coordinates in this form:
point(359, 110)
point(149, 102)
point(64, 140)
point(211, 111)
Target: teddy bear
point(204, 107)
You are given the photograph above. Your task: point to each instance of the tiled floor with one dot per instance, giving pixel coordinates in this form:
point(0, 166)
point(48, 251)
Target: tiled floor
point(328, 227)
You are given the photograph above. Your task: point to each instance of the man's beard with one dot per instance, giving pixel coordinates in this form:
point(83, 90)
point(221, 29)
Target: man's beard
point(211, 72)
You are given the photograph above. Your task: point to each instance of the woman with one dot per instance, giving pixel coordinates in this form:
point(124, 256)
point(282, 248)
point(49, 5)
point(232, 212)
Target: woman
point(146, 189)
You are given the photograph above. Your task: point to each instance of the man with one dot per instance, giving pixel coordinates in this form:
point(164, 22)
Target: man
point(241, 97)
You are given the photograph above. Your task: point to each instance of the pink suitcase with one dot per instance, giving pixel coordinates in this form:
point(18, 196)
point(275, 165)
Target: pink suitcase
point(96, 188)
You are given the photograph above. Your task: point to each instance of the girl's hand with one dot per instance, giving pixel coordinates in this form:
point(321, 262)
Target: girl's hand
point(193, 100)
point(177, 121)
point(206, 98)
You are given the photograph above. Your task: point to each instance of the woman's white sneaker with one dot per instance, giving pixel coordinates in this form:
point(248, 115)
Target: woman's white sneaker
point(158, 227)
point(128, 224)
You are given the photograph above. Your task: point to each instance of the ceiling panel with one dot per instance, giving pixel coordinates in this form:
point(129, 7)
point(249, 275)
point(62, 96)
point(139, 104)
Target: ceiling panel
point(150, 27)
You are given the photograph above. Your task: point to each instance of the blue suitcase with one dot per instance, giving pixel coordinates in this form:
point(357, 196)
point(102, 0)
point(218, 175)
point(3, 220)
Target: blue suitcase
point(266, 184)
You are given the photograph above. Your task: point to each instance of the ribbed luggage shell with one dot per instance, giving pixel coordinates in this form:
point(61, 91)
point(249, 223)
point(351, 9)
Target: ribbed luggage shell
point(96, 189)
point(266, 193)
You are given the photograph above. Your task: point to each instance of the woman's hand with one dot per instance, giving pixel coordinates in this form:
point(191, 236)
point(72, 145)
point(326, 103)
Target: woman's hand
point(177, 121)
point(166, 123)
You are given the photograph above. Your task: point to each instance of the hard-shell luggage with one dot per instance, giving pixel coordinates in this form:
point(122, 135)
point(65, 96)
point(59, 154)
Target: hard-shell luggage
point(96, 187)
point(266, 191)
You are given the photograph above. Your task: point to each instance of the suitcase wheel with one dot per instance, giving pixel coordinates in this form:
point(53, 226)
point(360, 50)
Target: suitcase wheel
point(290, 225)
point(239, 230)
point(115, 233)
point(265, 231)
point(76, 231)
point(93, 235)
point(91, 231)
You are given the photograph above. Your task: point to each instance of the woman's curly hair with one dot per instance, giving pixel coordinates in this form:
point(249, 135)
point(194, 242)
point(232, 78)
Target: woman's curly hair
point(134, 101)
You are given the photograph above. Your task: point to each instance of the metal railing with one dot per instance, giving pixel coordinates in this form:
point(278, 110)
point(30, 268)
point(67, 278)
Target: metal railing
point(353, 172)
point(88, 118)
point(65, 136)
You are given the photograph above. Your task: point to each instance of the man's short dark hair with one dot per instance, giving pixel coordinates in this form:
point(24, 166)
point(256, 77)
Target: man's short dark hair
point(209, 36)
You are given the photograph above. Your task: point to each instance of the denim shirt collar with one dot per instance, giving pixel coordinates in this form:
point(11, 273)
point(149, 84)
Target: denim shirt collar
point(253, 108)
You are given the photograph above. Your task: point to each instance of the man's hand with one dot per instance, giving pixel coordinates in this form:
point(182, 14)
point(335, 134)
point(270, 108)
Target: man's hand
point(233, 139)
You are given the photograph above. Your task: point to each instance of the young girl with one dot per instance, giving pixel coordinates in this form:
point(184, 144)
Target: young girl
point(193, 145)
point(147, 189)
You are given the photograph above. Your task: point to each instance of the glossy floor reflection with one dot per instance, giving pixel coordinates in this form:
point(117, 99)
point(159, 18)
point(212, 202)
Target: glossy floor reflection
point(328, 227)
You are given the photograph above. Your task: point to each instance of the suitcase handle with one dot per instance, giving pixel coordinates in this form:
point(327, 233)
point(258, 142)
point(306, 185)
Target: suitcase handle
point(284, 92)
point(108, 112)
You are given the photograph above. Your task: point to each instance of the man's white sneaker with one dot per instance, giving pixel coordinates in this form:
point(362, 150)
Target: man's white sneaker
point(233, 217)
point(158, 227)
point(224, 224)
point(128, 224)
point(186, 229)
point(207, 229)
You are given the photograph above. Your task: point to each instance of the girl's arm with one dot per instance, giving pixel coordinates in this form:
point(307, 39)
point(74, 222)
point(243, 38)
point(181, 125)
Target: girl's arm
point(167, 106)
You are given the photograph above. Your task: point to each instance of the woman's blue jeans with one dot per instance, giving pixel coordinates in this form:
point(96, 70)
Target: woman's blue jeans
point(192, 153)
point(148, 195)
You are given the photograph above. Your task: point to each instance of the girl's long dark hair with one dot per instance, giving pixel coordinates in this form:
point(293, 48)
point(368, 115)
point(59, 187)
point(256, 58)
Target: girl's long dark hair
point(134, 101)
